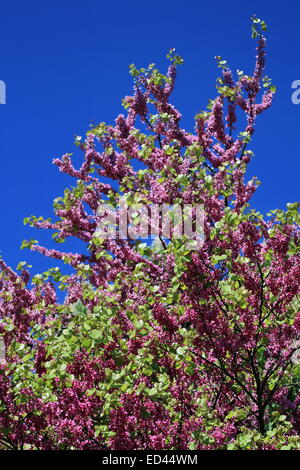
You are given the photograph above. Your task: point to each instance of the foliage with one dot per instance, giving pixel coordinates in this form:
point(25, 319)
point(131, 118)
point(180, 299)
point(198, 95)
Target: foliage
point(159, 346)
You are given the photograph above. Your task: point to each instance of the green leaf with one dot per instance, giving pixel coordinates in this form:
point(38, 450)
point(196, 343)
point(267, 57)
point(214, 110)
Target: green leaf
point(96, 334)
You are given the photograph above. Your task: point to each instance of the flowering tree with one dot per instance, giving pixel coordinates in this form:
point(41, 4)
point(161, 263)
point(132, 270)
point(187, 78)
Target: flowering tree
point(160, 346)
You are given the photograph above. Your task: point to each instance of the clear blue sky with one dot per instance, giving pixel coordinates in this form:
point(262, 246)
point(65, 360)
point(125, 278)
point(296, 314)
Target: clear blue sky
point(65, 63)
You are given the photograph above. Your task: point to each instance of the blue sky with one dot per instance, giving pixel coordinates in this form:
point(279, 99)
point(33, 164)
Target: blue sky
point(65, 64)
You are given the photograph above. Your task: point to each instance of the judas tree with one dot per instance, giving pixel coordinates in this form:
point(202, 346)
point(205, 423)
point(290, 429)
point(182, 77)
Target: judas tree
point(158, 345)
